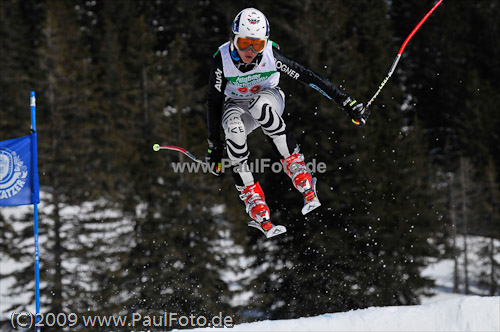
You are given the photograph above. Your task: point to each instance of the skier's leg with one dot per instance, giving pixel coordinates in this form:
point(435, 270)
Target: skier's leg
point(236, 143)
point(266, 108)
point(237, 150)
point(302, 180)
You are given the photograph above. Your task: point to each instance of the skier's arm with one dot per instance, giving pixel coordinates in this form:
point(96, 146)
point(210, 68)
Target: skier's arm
point(215, 100)
point(356, 111)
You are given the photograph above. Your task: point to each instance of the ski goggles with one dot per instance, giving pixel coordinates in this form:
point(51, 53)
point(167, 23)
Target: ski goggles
point(244, 43)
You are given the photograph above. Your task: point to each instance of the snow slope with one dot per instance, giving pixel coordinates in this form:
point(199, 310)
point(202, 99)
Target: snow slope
point(466, 313)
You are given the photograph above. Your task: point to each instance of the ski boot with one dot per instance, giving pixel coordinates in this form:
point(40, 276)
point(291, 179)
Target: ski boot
point(296, 169)
point(256, 207)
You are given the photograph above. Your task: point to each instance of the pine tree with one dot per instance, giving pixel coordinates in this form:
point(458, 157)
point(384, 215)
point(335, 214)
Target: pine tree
point(16, 68)
point(60, 55)
point(17, 53)
point(169, 264)
point(63, 60)
point(488, 227)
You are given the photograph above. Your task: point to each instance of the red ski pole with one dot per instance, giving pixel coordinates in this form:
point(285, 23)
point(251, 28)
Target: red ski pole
point(396, 60)
point(158, 147)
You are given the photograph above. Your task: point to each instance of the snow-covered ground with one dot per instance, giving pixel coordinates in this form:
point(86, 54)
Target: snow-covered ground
point(441, 271)
point(443, 311)
point(465, 313)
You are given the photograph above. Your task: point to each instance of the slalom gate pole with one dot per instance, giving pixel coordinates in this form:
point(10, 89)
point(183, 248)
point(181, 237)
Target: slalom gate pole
point(35, 225)
point(158, 147)
point(398, 56)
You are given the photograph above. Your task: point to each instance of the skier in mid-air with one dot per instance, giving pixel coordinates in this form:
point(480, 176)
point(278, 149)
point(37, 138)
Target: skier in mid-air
point(244, 95)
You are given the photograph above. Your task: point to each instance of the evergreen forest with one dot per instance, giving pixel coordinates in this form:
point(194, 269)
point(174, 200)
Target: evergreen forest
point(121, 232)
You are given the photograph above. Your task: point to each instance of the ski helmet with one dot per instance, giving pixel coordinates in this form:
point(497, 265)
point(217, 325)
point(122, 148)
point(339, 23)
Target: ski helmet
point(250, 28)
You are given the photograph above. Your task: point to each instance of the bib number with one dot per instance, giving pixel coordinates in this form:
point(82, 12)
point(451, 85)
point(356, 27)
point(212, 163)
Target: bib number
point(253, 89)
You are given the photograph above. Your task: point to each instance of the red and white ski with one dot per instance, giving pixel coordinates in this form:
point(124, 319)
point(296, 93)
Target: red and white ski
point(270, 232)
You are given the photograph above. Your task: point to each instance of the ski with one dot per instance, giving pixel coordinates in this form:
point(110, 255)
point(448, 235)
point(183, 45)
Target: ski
point(273, 231)
point(311, 200)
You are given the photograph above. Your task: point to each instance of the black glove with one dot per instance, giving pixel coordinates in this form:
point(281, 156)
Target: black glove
point(358, 113)
point(215, 154)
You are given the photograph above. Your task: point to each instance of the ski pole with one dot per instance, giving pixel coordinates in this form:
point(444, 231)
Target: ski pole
point(158, 147)
point(398, 56)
